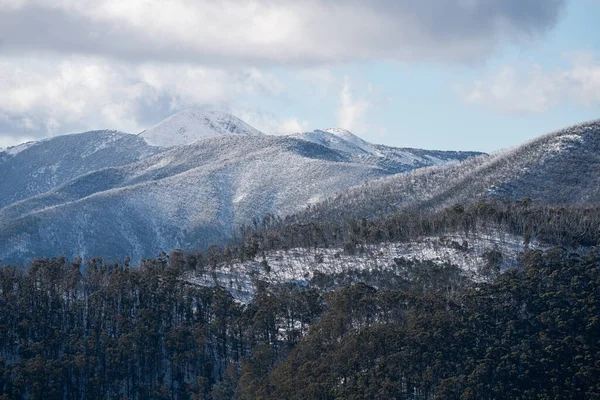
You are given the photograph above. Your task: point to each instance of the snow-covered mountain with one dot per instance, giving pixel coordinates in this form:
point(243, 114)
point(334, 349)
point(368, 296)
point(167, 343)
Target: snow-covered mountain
point(35, 167)
point(392, 159)
point(189, 126)
point(559, 168)
point(187, 197)
point(114, 195)
point(338, 139)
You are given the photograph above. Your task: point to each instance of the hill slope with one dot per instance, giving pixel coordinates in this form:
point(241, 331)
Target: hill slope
point(196, 194)
point(189, 126)
point(36, 167)
point(392, 159)
point(185, 197)
point(559, 168)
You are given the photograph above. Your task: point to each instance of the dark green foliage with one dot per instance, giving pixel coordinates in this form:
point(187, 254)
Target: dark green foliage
point(111, 331)
point(410, 330)
point(265, 266)
point(533, 334)
point(556, 226)
point(118, 332)
point(416, 277)
point(493, 262)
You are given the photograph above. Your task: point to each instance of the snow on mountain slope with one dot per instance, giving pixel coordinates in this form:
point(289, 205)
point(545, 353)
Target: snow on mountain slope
point(207, 153)
point(14, 150)
point(333, 141)
point(112, 194)
point(559, 168)
point(392, 159)
point(300, 265)
point(187, 197)
point(350, 137)
point(562, 167)
point(33, 168)
point(189, 126)
point(338, 139)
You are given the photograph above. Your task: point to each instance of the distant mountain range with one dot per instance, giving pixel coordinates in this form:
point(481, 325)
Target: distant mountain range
point(184, 183)
point(559, 168)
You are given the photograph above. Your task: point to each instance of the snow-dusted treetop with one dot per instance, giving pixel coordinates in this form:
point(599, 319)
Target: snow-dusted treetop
point(14, 150)
point(189, 126)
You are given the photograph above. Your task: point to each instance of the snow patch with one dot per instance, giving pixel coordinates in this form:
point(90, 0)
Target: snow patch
point(14, 150)
point(352, 138)
point(190, 126)
point(299, 265)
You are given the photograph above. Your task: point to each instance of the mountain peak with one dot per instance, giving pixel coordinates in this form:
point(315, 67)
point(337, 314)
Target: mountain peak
point(351, 138)
point(189, 126)
point(339, 131)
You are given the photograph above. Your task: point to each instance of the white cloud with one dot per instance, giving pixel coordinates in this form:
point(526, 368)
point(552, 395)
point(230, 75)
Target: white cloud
point(46, 96)
point(292, 125)
point(269, 123)
point(258, 82)
point(352, 110)
point(259, 32)
point(71, 65)
point(536, 89)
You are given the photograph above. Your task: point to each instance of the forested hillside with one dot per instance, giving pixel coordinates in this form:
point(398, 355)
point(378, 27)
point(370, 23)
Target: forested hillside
point(419, 329)
point(476, 280)
point(122, 332)
point(482, 240)
point(559, 168)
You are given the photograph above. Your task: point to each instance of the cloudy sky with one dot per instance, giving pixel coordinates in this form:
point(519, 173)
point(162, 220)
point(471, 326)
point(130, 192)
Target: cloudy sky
point(445, 74)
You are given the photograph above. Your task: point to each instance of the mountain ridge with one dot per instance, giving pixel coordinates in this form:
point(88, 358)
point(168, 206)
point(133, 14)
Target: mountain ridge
point(560, 167)
point(191, 195)
point(34, 168)
point(154, 191)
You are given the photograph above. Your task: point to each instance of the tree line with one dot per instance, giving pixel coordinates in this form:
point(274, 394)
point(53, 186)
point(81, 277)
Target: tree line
point(572, 227)
point(74, 329)
point(101, 331)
